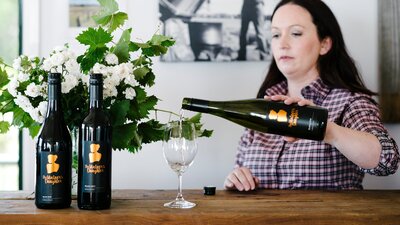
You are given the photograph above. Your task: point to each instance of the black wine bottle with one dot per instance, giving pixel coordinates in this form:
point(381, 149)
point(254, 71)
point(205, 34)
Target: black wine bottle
point(53, 153)
point(94, 171)
point(308, 122)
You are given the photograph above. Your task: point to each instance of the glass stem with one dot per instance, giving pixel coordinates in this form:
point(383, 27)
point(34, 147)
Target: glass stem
point(179, 197)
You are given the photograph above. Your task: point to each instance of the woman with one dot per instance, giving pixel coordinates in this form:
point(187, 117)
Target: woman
point(310, 66)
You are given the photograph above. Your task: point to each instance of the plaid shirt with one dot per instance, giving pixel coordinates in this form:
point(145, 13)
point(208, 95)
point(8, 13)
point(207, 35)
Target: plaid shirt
point(308, 164)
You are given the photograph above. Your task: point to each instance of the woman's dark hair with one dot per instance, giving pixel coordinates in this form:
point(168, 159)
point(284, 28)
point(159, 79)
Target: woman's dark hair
point(336, 68)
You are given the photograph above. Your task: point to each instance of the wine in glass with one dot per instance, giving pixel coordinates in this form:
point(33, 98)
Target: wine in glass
point(180, 148)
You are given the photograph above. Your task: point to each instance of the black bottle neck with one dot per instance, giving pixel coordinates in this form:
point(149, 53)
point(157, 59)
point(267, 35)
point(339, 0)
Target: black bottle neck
point(96, 92)
point(197, 105)
point(54, 95)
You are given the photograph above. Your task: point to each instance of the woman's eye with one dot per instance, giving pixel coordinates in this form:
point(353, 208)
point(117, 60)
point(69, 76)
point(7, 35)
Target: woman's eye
point(297, 34)
point(275, 35)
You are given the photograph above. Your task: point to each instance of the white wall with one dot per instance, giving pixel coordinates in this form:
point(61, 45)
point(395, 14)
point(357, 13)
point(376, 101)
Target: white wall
point(218, 81)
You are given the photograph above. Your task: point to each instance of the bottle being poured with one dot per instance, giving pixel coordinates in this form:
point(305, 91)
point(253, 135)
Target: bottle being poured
point(307, 122)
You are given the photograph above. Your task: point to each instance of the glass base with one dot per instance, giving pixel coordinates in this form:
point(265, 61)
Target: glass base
point(180, 204)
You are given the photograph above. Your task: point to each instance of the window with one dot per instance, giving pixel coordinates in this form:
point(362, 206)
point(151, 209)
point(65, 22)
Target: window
point(10, 151)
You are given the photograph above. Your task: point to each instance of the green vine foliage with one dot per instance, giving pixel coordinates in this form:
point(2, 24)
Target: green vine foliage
point(131, 124)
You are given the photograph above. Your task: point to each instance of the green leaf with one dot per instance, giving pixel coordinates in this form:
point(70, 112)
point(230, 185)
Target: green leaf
point(108, 17)
point(133, 47)
point(154, 50)
point(140, 110)
point(93, 37)
point(148, 79)
point(7, 106)
point(142, 45)
point(121, 50)
point(117, 20)
point(34, 129)
point(140, 94)
point(147, 105)
point(91, 57)
point(162, 40)
point(151, 131)
point(3, 77)
point(123, 135)
point(18, 115)
point(108, 7)
point(196, 118)
point(141, 72)
point(118, 112)
point(206, 133)
point(4, 126)
point(6, 96)
point(158, 45)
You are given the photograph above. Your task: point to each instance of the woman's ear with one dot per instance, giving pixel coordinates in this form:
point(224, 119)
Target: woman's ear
point(326, 45)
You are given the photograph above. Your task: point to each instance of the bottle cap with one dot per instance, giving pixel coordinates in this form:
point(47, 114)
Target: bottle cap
point(209, 190)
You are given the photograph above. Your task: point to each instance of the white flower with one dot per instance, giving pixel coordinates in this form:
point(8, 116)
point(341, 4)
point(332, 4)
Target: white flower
point(123, 70)
point(129, 93)
point(110, 82)
point(42, 107)
point(72, 67)
point(23, 102)
point(12, 87)
point(22, 77)
point(99, 68)
point(69, 54)
point(32, 90)
point(111, 59)
point(17, 63)
point(35, 114)
point(85, 80)
point(110, 92)
point(47, 65)
point(57, 59)
point(130, 80)
point(69, 82)
point(59, 48)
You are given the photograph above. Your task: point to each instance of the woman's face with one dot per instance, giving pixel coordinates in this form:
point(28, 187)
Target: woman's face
point(295, 43)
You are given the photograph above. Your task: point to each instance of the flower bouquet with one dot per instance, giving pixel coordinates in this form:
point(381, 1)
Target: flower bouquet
point(126, 66)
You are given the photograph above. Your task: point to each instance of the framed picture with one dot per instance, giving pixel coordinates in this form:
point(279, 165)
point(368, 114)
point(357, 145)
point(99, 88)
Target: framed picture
point(389, 60)
point(81, 12)
point(217, 30)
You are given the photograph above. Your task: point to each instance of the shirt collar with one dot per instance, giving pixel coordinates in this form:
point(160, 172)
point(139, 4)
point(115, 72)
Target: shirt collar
point(315, 91)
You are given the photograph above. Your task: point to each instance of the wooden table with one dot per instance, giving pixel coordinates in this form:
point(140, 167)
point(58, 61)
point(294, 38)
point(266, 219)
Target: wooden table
point(226, 207)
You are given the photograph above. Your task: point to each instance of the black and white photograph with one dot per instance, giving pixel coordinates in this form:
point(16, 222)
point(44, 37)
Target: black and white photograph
point(81, 12)
point(217, 30)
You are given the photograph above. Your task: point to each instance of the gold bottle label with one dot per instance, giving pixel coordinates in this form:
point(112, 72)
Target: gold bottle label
point(96, 163)
point(282, 116)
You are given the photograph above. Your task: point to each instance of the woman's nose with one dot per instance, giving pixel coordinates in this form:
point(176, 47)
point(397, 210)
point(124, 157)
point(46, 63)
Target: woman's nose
point(283, 41)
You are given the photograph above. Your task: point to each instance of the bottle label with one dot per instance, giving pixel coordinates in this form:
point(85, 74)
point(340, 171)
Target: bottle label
point(96, 166)
point(283, 116)
point(53, 175)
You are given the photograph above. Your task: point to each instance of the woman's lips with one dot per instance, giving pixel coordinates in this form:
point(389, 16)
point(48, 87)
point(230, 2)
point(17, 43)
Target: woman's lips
point(285, 58)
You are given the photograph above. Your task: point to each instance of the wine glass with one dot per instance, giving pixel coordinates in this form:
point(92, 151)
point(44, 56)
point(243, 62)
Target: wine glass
point(180, 148)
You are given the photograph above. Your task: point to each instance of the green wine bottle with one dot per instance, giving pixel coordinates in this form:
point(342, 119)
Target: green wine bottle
point(307, 122)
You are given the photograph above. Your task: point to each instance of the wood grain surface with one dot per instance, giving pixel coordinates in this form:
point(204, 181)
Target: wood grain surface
point(226, 207)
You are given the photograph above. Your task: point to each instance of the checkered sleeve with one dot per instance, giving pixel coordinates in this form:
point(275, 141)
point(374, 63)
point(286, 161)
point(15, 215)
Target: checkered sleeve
point(363, 114)
point(244, 142)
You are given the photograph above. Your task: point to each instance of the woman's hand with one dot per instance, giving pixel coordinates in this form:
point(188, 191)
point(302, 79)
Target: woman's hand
point(241, 179)
point(288, 101)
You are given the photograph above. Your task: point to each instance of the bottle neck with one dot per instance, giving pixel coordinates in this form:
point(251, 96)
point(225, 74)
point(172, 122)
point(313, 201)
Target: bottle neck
point(96, 96)
point(54, 99)
point(197, 105)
